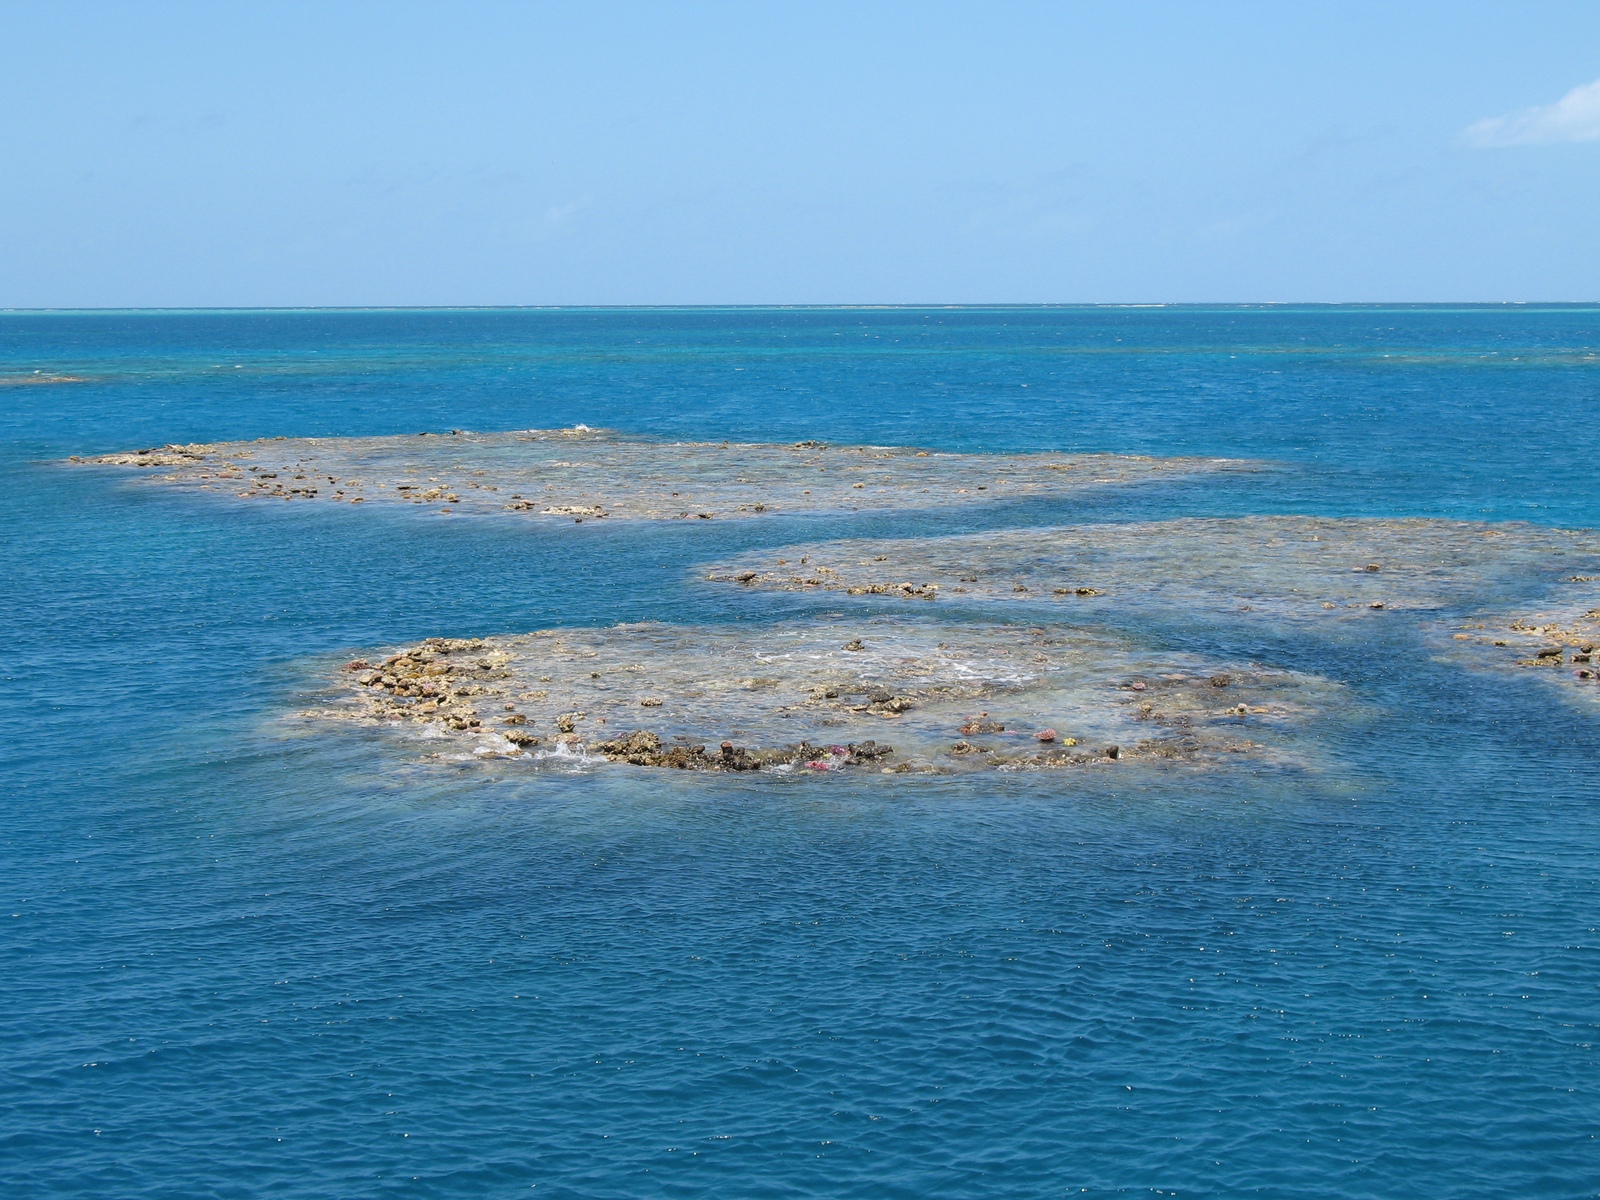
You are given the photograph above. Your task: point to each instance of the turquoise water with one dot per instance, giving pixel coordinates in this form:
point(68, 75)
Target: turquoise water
point(245, 959)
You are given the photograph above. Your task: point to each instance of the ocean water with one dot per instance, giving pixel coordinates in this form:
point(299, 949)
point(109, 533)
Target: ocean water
point(248, 957)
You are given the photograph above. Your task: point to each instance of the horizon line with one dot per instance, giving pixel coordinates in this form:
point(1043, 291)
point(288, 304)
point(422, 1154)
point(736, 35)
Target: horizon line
point(21, 310)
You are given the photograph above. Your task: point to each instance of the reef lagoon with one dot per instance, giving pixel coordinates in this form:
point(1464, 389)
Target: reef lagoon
point(802, 752)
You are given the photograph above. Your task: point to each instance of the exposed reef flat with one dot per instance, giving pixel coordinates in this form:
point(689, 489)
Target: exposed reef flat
point(581, 473)
point(889, 695)
point(1295, 568)
point(1559, 640)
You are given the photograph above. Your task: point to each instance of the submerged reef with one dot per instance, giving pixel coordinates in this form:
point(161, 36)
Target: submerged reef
point(38, 378)
point(581, 473)
point(892, 694)
point(1296, 568)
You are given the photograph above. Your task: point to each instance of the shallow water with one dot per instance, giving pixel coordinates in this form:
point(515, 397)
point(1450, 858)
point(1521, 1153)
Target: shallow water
point(258, 956)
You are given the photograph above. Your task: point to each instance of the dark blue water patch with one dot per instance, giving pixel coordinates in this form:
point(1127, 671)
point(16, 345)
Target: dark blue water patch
point(912, 991)
point(247, 958)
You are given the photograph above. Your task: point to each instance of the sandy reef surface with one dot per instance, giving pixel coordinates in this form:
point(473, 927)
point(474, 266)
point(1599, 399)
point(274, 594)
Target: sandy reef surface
point(1279, 567)
point(1272, 569)
point(581, 473)
point(888, 694)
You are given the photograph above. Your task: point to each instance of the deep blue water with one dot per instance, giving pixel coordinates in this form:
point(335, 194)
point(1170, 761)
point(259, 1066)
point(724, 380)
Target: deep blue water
point(243, 963)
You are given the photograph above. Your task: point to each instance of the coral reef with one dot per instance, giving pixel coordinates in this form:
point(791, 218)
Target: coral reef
point(589, 474)
point(895, 694)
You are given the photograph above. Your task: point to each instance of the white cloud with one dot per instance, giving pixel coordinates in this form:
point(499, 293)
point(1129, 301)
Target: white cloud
point(557, 214)
point(1573, 118)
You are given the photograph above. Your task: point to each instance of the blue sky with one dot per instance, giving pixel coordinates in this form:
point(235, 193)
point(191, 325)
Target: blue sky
point(767, 152)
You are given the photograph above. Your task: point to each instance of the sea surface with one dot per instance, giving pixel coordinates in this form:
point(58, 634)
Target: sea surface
point(248, 957)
